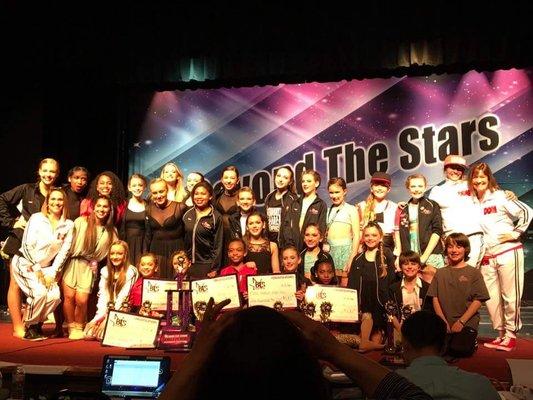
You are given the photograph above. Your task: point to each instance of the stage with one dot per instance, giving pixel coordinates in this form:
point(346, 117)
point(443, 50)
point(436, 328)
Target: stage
point(58, 363)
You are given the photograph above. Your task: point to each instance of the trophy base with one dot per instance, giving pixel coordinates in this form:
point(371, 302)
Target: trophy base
point(173, 338)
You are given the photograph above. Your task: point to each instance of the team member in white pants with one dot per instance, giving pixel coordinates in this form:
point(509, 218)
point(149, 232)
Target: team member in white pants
point(503, 264)
point(45, 244)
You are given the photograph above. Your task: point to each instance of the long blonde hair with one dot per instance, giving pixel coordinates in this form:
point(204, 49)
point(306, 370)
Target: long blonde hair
point(114, 287)
point(180, 189)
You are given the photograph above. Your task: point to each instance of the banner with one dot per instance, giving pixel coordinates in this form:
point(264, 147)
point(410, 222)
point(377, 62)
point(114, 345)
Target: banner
point(349, 129)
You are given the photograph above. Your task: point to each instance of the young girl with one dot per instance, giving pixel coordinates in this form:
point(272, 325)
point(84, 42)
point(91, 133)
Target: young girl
point(291, 264)
point(109, 185)
point(237, 266)
point(203, 233)
point(279, 201)
point(307, 209)
point(133, 226)
point(312, 241)
point(503, 222)
point(32, 196)
point(116, 280)
point(260, 250)
point(92, 239)
point(225, 201)
point(147, 268)
point(378, 208)
point(420, 226)
point(78, 179)
point(342, 232)
point(371, 274)
point(173, 176)
point(192, 179)
point(323, 272)
point(45, 245)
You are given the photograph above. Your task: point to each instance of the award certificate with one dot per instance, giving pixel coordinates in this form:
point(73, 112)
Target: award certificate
point(130, 330)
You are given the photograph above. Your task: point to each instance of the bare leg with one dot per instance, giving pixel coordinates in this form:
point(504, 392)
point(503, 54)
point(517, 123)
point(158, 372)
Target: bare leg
point(14, 304)
point(69, 303)
point(366, 331)
point(80, 313)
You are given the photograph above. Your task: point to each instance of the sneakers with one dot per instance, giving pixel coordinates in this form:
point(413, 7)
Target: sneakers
point(32, 334)
point(504, 343)
point(507, 344)
point(494, 344)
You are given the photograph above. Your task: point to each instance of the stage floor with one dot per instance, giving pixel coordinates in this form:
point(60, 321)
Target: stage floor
point(85, 357)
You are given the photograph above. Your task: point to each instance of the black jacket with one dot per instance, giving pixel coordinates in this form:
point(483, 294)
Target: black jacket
point(291, 233)
point(429, 222)
point(203, 238)
point(286, 201)
point(395, 294)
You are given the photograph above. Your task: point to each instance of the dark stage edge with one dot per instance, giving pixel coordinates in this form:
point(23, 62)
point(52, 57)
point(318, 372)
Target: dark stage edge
point(83, 358)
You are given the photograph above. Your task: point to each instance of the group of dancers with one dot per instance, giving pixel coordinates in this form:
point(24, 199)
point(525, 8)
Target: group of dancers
point(448, 249)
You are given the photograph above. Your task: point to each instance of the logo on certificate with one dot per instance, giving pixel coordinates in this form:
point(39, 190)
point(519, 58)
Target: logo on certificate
point(258, 284)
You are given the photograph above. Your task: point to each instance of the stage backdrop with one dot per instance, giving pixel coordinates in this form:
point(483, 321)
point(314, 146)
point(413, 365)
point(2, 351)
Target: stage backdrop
point(348, 129)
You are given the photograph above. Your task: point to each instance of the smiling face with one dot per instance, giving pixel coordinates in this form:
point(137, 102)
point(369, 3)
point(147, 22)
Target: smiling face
point(325, 273)
point(410, 269)
point(56, 203)
point(102, 208)
point(371, 237)
point(480, 182)
point(454, 172)
point(455, 253)
point(291, 260)
point(312, 237)
point(136, 187)
point(78, 181)
point(192, 179)
point(283, 179)
point(147, 266)
point(117, 255)
point(170, 174)
point(255, 225)
point(245, 201)
point(417, 187)
point(379, 191)
point(336, 194)
point(236, 252)
point(229, 180)
point(158, 191)
point(48, 172)
point(201, 197)
point(104, 185)
point(309, 184)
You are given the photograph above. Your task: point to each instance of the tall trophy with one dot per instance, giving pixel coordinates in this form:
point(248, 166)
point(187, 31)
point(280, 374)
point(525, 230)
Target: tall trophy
point(176, 335)
point(391, 309)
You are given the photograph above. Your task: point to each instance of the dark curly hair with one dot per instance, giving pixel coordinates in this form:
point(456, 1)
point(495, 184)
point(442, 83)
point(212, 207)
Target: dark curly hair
point(117, 195)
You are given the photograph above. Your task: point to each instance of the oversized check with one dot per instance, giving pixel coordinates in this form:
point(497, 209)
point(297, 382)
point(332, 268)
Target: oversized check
point(219, 288)
point(331, 303)
point(274, 291)
point(155, 291)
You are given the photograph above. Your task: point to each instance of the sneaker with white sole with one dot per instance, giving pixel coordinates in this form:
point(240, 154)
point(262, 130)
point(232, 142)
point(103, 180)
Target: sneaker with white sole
point(494, 344)
point(507, 344)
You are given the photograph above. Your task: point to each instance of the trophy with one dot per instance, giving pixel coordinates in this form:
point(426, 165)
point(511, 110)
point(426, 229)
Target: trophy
point(176, 335)
point(391, 309)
